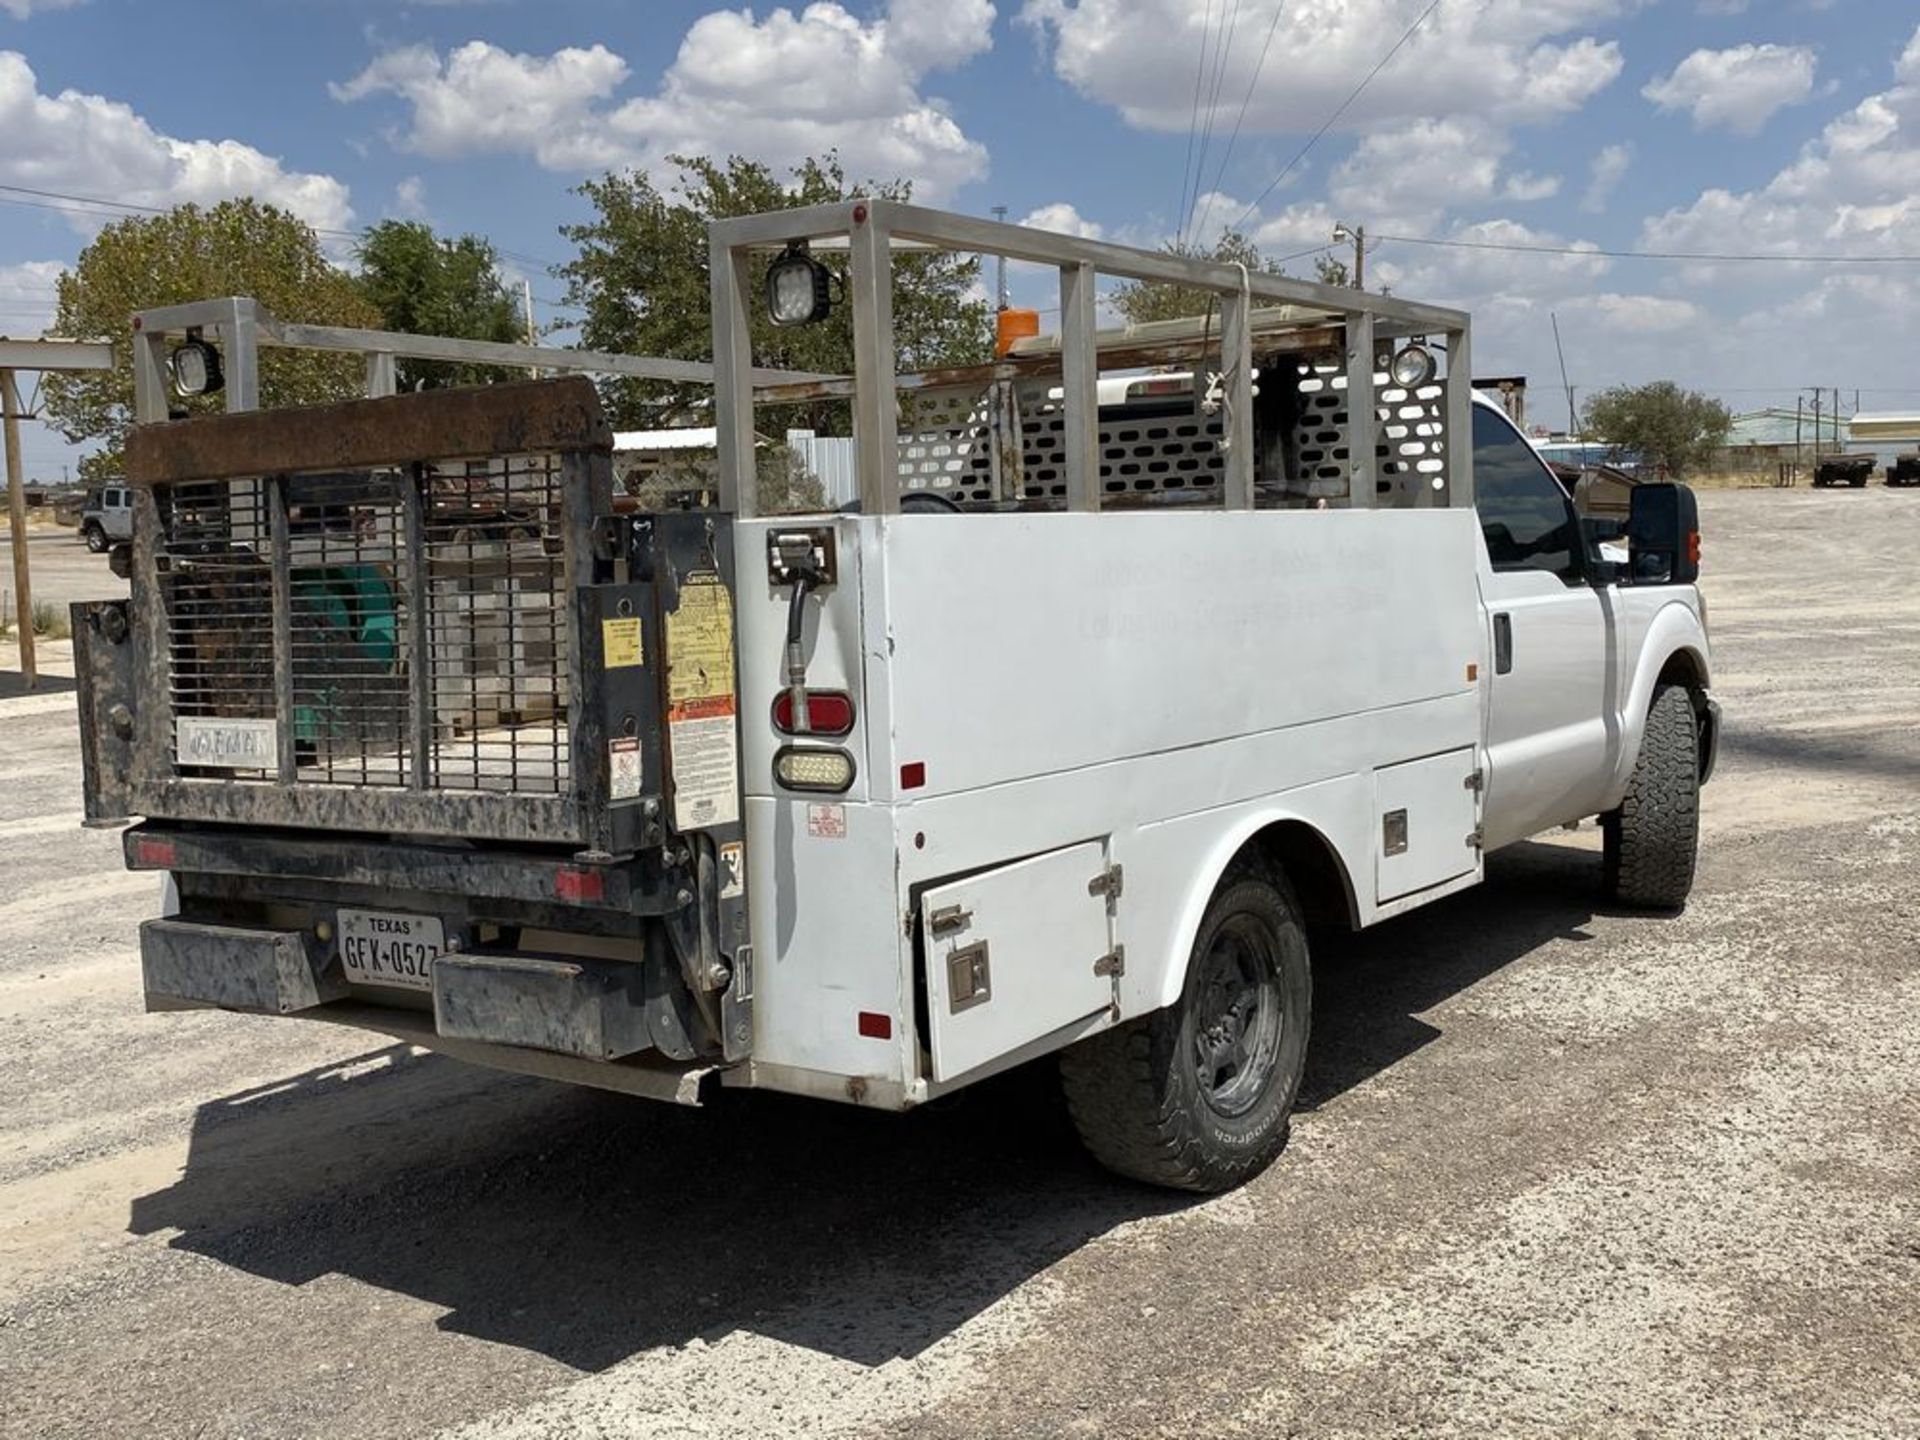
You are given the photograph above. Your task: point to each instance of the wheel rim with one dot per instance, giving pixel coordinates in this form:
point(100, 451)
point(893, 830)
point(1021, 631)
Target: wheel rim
point(1238, 1017)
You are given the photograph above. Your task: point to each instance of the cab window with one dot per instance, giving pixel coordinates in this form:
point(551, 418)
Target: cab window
point(1524, 514)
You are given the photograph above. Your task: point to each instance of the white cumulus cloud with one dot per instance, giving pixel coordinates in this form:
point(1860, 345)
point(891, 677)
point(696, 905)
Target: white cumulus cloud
point(1066, 220)
point(779, 87)
point(1853, 190)
point(90, 145)
point(21, 9)
point(1609, 167)
point(27, 299)
point(1737, 89)
point(1507, 59)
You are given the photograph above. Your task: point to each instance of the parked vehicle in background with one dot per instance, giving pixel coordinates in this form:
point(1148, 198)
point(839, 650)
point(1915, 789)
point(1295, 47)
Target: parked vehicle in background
point(1852, 470)
point(1054, 748)
point(1905, 469)
point(106, 517)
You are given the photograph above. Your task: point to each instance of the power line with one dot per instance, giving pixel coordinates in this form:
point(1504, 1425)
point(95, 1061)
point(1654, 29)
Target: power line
point(1701, 255)
point(1328, 123)
point(1193, 121)
point(1230, 22)
point(1273, 26)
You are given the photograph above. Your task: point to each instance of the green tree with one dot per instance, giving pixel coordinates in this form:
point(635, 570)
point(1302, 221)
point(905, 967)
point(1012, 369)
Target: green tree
point(782, 482)
point(424, 285)
point(1331, 270)
point(640, 279)
point(238, 247)
point(1665, 425)
point(1145, 301)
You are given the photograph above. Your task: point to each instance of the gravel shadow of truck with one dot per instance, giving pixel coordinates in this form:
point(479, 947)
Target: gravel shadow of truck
point(590, 1227)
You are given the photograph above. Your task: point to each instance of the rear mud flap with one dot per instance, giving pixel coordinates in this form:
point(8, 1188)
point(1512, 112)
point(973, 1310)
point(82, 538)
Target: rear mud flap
point(269, 972)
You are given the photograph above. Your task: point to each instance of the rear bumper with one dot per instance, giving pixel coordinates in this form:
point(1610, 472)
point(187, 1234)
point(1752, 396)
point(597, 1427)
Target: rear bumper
point(185, 964)
point(580, 1021)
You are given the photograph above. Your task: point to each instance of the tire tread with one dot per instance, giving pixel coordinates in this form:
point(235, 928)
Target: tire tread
point(1653, 839)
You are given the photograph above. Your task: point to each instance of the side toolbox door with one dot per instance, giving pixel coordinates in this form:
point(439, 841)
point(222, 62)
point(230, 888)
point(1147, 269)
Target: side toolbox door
point(1429, 823)
point(1013, 954)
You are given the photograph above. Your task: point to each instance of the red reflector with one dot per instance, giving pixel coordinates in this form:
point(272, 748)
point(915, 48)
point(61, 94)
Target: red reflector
point(829, 712)
point(876, 1026)
point(156, 854)
point(1693, 547)
point(913, 775)
point(580, 885)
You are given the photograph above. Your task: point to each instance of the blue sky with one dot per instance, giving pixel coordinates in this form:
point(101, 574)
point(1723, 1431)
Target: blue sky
point(1780, 127)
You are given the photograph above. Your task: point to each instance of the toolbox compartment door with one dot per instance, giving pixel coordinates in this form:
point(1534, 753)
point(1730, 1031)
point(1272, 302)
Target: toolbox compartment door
point(1428, 831)
point(1013, 954)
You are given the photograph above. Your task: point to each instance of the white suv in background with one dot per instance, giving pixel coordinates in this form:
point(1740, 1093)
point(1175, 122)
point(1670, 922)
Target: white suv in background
point(108, 517)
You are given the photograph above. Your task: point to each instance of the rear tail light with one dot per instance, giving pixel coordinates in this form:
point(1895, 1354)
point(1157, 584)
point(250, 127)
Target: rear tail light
point(829, 712)
point(1693, 548)
point(150, 853)
point(580, 885)
point(809, 768)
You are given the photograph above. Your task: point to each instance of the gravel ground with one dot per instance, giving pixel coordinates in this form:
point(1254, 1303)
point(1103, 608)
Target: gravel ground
point(1559, 1171)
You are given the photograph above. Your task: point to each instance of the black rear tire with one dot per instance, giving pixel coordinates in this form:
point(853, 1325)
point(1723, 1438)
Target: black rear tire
point(1198, 1096)
point(1652, 842)
point(96, 538)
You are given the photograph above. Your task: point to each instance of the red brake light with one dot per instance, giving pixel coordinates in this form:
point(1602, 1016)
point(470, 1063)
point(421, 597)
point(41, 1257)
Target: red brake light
point(875, 1026)
point(829, 712)
point(913, 775)
point(580, 886)
point(1693, 547)
point(153, 854)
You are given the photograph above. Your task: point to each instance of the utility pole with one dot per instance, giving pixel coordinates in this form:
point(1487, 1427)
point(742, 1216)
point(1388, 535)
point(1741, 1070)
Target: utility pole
point(533, 335)
point(1818, 395)
point(1573, 422)
point(1000, 285)
point(1358, 235)
point(1799, 462)
point(17, 513)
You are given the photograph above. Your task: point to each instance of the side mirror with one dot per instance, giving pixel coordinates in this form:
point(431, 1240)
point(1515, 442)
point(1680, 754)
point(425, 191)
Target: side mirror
point(1663, 535)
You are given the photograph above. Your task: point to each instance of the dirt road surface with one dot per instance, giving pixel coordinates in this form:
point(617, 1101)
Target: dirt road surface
point(1560, 1171)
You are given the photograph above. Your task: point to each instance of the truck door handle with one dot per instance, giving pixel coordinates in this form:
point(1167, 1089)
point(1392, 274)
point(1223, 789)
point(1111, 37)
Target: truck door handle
point(1502, 643)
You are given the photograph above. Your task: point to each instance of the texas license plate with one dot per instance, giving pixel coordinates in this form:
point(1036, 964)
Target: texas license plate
point(380, 947)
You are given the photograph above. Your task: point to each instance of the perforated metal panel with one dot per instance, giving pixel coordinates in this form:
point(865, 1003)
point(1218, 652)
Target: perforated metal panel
point(948, 441)
point(1410, 452)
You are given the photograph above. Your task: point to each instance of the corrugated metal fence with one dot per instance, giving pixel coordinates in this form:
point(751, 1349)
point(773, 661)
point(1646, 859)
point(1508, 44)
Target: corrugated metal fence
point(830, 459)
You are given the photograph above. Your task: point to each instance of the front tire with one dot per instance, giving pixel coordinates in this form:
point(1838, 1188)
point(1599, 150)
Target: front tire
point(1198, 1096)
point(96, 539)
point(1652, 842)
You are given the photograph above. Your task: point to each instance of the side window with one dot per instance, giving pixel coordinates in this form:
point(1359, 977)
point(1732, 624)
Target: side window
point(1524, 513)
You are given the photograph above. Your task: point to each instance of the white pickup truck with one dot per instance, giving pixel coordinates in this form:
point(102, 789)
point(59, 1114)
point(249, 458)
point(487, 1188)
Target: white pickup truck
point(1055, 746)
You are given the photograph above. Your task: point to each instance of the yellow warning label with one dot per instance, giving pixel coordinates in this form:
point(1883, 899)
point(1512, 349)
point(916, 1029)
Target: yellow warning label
point(700, 648)
point(620, 643)
point(701, 706)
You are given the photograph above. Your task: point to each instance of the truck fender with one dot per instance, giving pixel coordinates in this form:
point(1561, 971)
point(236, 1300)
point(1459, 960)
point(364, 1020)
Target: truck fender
point(1321, 878)
point(1675, 648)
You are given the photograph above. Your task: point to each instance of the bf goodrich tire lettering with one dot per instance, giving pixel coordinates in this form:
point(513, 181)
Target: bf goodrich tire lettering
point(1652, 841)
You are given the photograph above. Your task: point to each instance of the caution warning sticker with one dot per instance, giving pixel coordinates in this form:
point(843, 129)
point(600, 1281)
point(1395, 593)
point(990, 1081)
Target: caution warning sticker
point(624, 775)
point(620, 642)
point(701, 706)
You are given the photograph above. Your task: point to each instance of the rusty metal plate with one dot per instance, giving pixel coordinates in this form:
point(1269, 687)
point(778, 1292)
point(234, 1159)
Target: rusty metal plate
point(519, 418)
